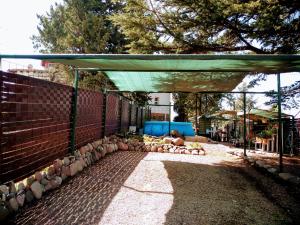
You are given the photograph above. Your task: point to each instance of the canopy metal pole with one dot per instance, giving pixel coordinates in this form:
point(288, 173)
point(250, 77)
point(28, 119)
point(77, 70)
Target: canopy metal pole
point(196, 113)
point(170, 120)
point(279, 124)
point(245, 128)
point(74, 110)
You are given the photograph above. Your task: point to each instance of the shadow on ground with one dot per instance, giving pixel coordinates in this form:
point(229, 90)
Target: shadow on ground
point(84, 198)
point(217, 194)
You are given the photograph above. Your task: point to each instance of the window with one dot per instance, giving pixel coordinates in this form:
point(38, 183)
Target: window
point(156, 99)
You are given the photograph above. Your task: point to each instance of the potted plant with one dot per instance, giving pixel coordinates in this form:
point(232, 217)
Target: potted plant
point(264, 135)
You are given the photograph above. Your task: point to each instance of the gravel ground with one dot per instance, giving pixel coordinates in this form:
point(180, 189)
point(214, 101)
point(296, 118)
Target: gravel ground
point(186, 189)
point(159, 188)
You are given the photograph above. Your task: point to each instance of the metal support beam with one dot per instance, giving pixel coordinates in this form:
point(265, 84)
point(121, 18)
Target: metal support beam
point(280, 150)
point(74, 111)
point(245, 128)
point(196, 113)
point(169, 120)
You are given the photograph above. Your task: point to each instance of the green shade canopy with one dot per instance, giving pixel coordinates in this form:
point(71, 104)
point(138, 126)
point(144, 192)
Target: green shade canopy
point(175, 73)
point(267, 114)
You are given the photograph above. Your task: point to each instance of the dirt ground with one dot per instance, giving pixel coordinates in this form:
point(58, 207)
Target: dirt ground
point(163, 188)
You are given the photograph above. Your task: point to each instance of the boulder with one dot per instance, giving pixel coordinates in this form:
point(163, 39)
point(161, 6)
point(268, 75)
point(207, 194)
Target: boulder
point(260, 163)
point(66, 161)
point(12, 188)
point(167, 140)
point(272, 170)
point(154, 148)
point(29, 181)
point(13, 204)
point(38, 176)
point(186, 151)
point(20, 186)
point(175, 133)
point(20, 198)
point(36, 189)
point(29, 196)
point(73, 169)
point(122, 146)
point(286, 176)
point(79, 165)
point(178, 141)
point(160, 149)
point(172, 150)
point(57, 164)
point(195, 152)
point(50, 171)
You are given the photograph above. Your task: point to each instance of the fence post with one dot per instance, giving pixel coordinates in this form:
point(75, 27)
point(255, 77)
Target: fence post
point(74, 110)
point(245, 128)
point(104, 113)
point(279, 124)
point(1, 147)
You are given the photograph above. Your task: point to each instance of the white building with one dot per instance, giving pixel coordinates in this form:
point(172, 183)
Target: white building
point(160, 113)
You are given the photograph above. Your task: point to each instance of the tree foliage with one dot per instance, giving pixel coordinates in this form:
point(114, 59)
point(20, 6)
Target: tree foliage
point(185, 26)
point(202, 26)
point(83, 26)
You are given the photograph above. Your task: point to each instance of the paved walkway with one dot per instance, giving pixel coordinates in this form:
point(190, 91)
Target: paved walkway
point(157, 188)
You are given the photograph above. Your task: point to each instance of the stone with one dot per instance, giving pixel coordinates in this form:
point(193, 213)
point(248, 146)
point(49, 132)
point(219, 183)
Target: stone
point(57, 164)
point(13, 204)
point(82, 150)
point(177, 151)
point(50, 171)
point(66, 161)
point(160, 149)
point(12, 188)
point(195, 152)
point(172, 150)
point(186, 151)
point(65, 170)
point(260, 163)
point(90, 147)
point(36, 189)
point(20, 198)
point(54, 183)
point(72, 158)
point(79, 165)
point(4, 212)
point(272, 170)
point(178, 141)
point(48, 187)
point(20, 186)
point(154, 148)
point(4, 189)
point(38, 176)
point(73, 169)
point(285, 176)
point(122, 146)
point(29, 196)
point(167, 140)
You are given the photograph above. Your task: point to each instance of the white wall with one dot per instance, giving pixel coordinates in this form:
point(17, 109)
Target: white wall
point(164, 99)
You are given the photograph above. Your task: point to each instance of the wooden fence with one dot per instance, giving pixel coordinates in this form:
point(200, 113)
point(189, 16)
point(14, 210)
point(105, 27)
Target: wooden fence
point(36, 122)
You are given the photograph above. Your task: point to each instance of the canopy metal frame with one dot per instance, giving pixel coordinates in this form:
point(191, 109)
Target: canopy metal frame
point(292, 63)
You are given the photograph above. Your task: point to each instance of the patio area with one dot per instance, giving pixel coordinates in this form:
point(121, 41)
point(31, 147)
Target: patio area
point(161, 188)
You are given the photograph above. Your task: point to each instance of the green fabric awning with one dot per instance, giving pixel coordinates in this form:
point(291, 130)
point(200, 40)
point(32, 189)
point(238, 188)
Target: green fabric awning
point(175, 73)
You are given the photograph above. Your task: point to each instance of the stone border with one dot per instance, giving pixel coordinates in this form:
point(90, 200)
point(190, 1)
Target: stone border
point(15, 195)
point(262, 166)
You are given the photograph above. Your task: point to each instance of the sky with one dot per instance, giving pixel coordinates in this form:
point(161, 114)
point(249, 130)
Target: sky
point(18, 22)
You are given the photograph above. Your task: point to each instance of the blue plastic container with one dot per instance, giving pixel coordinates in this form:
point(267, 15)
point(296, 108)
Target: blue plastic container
point(160, 128)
